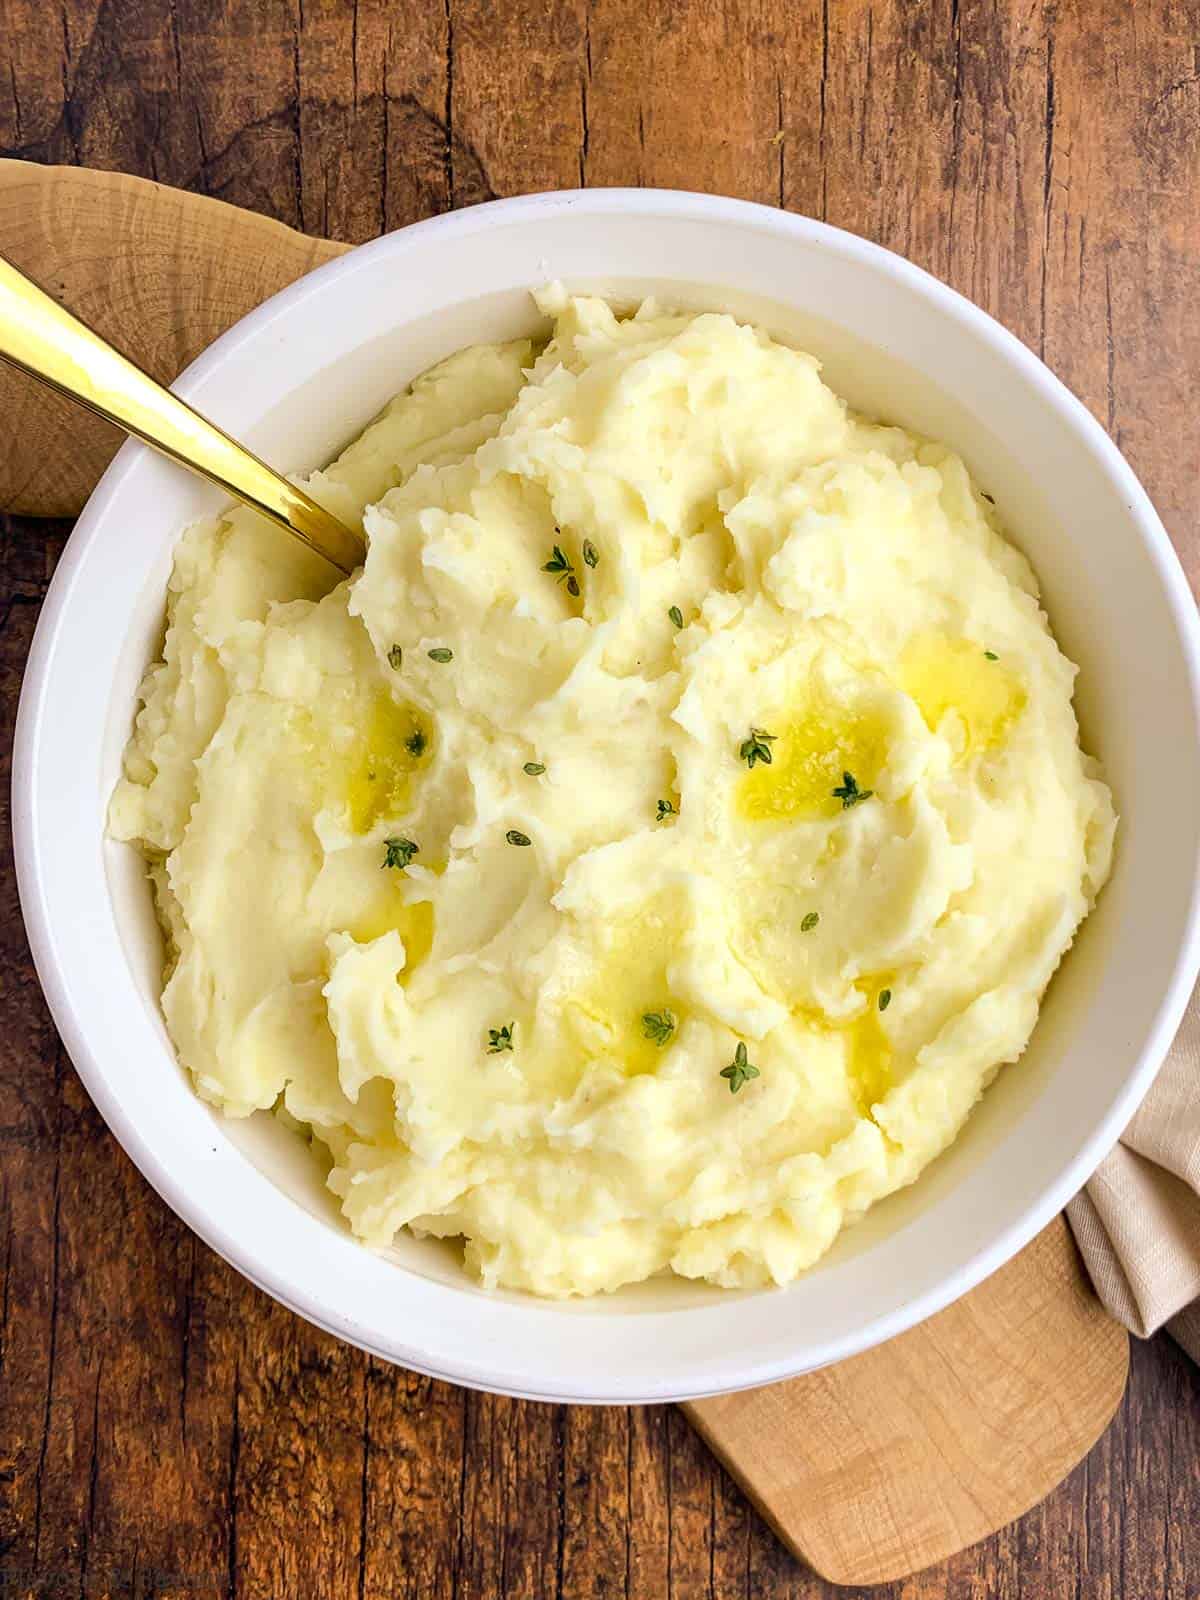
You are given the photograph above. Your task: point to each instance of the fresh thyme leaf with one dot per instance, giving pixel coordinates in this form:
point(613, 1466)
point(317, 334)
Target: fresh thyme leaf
point(560, 566)
point(757, 747)
point(659, 1026)
point(441, 654)
point(514, 836)
point(399, 852)
point(395, 657)
point(415, 743)
point(676, 616)
point(590, 554)
point(534, 768)
point(849, 793)
point(885, 999)
point(991, 655)
point(501, 1038)
point(809, 921)
point(666, 809)
point(739, 1070)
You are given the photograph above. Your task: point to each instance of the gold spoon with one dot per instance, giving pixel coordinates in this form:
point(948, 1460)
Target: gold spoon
point(43, 339)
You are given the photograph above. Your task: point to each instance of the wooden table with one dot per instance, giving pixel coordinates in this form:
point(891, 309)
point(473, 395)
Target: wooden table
point(164, 1428)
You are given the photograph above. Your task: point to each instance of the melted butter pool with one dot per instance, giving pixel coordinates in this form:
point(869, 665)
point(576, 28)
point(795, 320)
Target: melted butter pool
point(867, 1050)
point(868, 1057)
point(368, 780)
point(369, 777)
point(413, 922)
point(812, 751)
point(955, 679)
point(606, 1016)
point(377, 772)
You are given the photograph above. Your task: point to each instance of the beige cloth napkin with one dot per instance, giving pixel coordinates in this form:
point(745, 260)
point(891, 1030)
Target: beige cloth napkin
point(1138, 1221)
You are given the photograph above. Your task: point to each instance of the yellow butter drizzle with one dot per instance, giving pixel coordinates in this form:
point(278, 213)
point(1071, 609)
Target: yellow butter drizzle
point(961, 691)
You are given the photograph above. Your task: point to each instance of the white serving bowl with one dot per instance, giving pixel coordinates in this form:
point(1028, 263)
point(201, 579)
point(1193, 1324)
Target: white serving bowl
point(299, 378)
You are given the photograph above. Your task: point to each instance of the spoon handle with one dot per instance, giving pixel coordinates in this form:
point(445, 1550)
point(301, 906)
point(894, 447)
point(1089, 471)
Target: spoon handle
point(46, 341)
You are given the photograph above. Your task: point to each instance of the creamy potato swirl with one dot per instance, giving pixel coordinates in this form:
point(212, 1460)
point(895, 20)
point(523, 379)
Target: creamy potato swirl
point(647, 860)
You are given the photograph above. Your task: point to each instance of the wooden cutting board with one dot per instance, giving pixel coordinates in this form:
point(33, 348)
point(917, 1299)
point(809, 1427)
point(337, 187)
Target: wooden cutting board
point(868, 1470)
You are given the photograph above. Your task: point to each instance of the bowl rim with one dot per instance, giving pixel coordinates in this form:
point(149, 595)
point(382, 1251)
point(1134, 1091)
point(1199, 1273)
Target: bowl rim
point(253, 1263)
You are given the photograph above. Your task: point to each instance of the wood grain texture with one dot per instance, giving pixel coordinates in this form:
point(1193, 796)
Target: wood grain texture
point(887, 1463)
point(156, 271)
point(164, 1429)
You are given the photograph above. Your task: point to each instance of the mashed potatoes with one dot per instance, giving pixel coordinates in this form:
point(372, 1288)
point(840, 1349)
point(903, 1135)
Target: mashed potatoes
point(648, 859)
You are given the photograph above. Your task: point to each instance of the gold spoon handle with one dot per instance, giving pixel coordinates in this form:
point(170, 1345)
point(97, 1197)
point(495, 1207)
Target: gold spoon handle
point(43, 339)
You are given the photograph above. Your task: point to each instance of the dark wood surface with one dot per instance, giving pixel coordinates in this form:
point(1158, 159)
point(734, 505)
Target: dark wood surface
point(165, 1429)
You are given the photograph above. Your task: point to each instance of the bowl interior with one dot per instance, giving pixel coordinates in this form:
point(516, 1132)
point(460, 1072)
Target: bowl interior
point(300, 379)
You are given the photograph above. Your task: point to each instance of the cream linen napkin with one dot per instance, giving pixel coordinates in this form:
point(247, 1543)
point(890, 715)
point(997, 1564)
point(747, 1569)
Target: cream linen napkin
point(1138, 1221)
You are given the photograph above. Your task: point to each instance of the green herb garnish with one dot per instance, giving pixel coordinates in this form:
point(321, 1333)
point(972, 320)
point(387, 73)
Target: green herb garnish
point(415, 744)
point(809, 921)
point(514, 836)
point(676, 616)
point(500, 1038)
point(666, 809)
point(534, 769)
point(399, 852)
point(991, 655)
point(849, 793)
point(658, 1026)
point(590, 554)
point(757, 747)
point(739, 1070)
point(396, 657)
point(441, 654)
point(560, 566)
point(885, 999)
